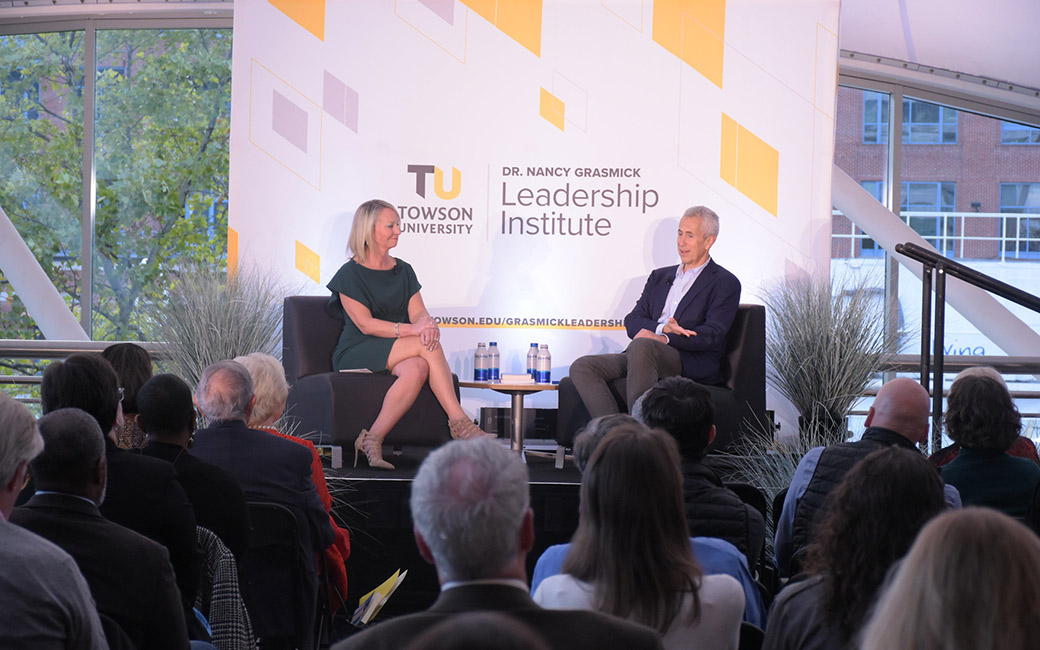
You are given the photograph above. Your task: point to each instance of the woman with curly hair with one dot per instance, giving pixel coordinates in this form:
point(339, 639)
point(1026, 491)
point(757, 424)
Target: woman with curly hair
point(631, 556)
point(981, 416)
point(970, 582)
point(870, 523)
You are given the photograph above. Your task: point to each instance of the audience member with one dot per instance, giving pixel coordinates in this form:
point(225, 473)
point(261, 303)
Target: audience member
point(1022, 447)
point(44, 601)
point(970, 582)
point(269, 469)
point(479, 631)
point(630, 556)
point(870, 523)
point(133, 366)
point(143, 493)
point(470, 503)
point(167, 415)
point(586, 440)
point(714, 555)
point(684, 409)
point(129, 575)
point(981, 416)
point(272, 391)
point(898, 417)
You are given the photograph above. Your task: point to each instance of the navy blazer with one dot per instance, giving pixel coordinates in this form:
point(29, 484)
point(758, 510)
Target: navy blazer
point(271, 469)
point(708, 308)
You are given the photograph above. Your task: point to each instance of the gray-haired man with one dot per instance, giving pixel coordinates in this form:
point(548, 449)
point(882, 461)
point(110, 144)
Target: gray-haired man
point(471, 506)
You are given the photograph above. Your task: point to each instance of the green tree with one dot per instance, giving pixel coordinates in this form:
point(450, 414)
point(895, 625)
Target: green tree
point(161, 157)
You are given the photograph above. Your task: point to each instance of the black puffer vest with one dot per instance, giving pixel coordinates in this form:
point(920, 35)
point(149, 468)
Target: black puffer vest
point(835, 462)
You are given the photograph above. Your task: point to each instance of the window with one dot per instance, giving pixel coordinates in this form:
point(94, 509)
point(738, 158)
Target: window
point(1021, 234)
point(869, 247)
point(938, 198)
point(161, 121)
point(875, 118)
point(923, 122)
point(1014, 133)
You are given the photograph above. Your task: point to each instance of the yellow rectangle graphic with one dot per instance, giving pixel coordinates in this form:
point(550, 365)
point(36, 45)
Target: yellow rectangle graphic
point(308, 262)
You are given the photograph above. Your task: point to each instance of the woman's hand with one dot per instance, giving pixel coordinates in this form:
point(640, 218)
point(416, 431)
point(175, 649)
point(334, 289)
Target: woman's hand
point(429, 334)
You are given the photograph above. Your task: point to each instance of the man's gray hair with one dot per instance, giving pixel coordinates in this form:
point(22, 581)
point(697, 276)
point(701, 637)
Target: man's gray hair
point(468, 503)
point(20, 441)
point(224, 392)
point(708, 218)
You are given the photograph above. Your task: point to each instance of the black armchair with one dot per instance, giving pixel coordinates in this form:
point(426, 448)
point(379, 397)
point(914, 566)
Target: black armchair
point(338, 405)
point(740, 404)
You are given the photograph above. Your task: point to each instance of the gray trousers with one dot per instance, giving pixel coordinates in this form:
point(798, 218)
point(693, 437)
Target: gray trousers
point(644, 363)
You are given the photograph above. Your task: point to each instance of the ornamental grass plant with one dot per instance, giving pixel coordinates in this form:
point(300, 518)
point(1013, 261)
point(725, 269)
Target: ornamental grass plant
point(211, 316)
point(824, 346)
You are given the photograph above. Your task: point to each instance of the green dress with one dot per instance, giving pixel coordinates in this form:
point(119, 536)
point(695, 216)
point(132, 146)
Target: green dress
point(386, 294)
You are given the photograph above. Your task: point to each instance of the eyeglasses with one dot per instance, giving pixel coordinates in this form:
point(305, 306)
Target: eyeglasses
point(121, 391)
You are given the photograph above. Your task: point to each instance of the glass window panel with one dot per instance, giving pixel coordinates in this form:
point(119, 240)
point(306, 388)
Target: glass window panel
point(924, 112)
point(41, 158)
point(162, 176)
point(875, 116)
point(1013, 133)
point(927, 123)
point(861, 122)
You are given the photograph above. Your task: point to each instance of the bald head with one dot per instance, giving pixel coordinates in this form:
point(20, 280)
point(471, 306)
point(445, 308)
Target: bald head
point(901, 406)
point(225, 392)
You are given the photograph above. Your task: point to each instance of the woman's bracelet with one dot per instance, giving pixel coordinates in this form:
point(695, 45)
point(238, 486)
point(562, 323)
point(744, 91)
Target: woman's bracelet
point(397, 330)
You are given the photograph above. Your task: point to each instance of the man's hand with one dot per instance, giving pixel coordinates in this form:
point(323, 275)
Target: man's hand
point(672, 327)
point(647, 334)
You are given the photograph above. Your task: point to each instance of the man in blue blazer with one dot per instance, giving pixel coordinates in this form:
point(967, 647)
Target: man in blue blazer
point(678, 326)
point(269, 469)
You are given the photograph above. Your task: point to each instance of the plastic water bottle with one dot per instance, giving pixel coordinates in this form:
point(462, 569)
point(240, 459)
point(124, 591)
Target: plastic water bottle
point(532, 361)
point(542, 376)
point(480, 363)
point(494, 362)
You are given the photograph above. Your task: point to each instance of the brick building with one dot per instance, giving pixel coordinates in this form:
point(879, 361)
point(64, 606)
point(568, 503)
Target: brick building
point(955, 165)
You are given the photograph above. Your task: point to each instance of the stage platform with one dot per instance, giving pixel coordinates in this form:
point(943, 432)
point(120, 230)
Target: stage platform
point(373, 505)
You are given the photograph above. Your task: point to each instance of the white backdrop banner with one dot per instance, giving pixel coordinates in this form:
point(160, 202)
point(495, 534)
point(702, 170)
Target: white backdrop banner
point(540, 152)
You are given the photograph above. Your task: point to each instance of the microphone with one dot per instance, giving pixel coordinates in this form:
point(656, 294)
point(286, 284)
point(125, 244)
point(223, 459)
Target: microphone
point(670, 280)
point(396, 269)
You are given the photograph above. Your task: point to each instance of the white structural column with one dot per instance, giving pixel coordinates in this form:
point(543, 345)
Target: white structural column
point(981, 309)
point(34, 288)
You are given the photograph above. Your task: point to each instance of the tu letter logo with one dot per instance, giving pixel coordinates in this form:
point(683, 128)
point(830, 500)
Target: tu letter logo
point(422, 171)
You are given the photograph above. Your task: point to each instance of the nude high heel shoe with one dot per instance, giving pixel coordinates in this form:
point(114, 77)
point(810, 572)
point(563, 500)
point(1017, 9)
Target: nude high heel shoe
point(464, 429)
point(372, 447)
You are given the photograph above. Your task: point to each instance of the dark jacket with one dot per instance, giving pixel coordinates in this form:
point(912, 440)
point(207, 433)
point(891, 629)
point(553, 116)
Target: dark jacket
point(708, 308)
point(712, 510)
point(835, 462)
point(129, 575)
point(561, 629)
point(214, 493)
point(143, 494)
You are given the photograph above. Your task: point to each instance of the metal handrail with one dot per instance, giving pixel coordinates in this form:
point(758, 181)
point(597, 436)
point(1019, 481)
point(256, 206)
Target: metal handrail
point(46, 349)
point(940, 266)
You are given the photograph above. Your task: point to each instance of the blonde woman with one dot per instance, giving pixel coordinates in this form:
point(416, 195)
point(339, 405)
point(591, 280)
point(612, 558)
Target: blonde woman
point(386, 328)
point(970, 582)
